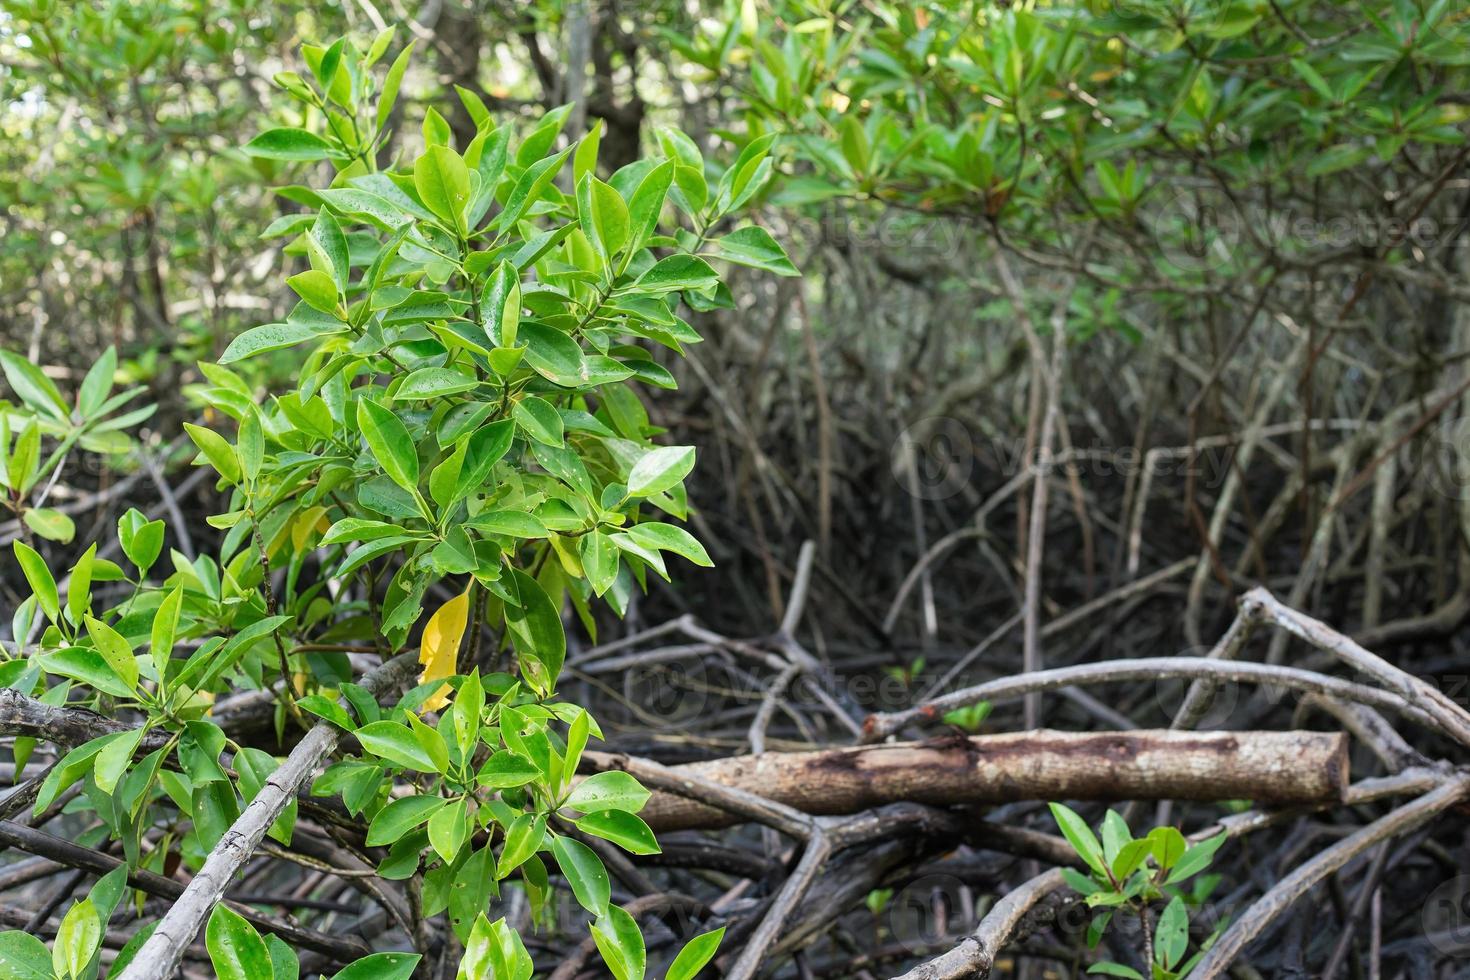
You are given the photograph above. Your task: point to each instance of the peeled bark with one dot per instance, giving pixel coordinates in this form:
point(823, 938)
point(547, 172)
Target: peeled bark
point(1279, 768)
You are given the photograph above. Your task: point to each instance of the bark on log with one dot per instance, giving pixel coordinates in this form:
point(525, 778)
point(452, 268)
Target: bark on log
point(1279, 768)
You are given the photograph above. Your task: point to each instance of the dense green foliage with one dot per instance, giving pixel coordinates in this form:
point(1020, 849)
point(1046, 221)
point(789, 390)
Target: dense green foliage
point(456, 422)
point(442, 433)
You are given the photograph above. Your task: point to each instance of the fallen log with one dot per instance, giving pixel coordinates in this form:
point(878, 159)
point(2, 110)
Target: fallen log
point(1277, 768)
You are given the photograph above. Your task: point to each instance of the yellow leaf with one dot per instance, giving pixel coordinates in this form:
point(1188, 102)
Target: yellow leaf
point(439, 652)
point(314, 518)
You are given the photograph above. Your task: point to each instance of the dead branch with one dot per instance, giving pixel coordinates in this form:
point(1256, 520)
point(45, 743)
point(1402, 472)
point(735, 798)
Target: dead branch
point(1278, 767)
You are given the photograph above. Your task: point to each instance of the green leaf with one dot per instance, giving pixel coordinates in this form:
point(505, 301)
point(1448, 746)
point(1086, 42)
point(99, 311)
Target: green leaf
point(1080, 883)
point(391, 82)
point(50, 524)
point(327, 710)
point(486, 447)
point(380, 966)
point(113, 760)
point(505, 770)
point(1168, 846)
point(316, 288)
point(511, 523)
point(79, 587)
point(390, 442)
point(660, 470)
point(88, 666)
point(288, 144)
point(614, 790)
point(431, 742)
point(141, 539)
point(38, 576)
point(620, 943)
point(627, 830)
point(648, 201)
point(678, 272)
point(1171, 938)
point(599, 560)
point(129, 951)
point(1340, 157)
point(33, 387)
point(1130, 858)
point(358, 529)
point(165, 627)
point(695, 954)
point(529, 188)
point(283, 959)
point(603, 215)
point(668, 537)
point(540, 420)
point(327, 249)
point(400, 816)
point(433, 382)
point(397, 744)
point(443, 183)
point(523, 838)
point(474, 883)
point(449, 828)
point(1115, 970)
point(1115, 834)
point(754, 247)
point(536, 627)
point(77, 939)
point(115, 649)
point(273, 337)
point(24, 957)
point(500, 305)
point(97, 385)
point(1080, 836)
point(584, 872)
point(1309, 75)
point(1197, 858)
point(217, 450)
point(553, 354)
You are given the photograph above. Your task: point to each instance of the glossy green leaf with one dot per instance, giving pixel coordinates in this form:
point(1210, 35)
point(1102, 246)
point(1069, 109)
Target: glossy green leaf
point(288, 144)
point(613, 790)
point(396, 744)
point(390, 443)
point(627, 830)
point(659, 470)
point(38, 576)
point(620, 942)
point(449, 829)
point(695, 954)
point(443, 183)
point(584, 872)
point(50, 524)
point(522, 839)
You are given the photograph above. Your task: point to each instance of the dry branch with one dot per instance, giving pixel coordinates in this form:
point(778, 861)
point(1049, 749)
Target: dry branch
point(1276, 767)
point(70, 854)
point(159, 956)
